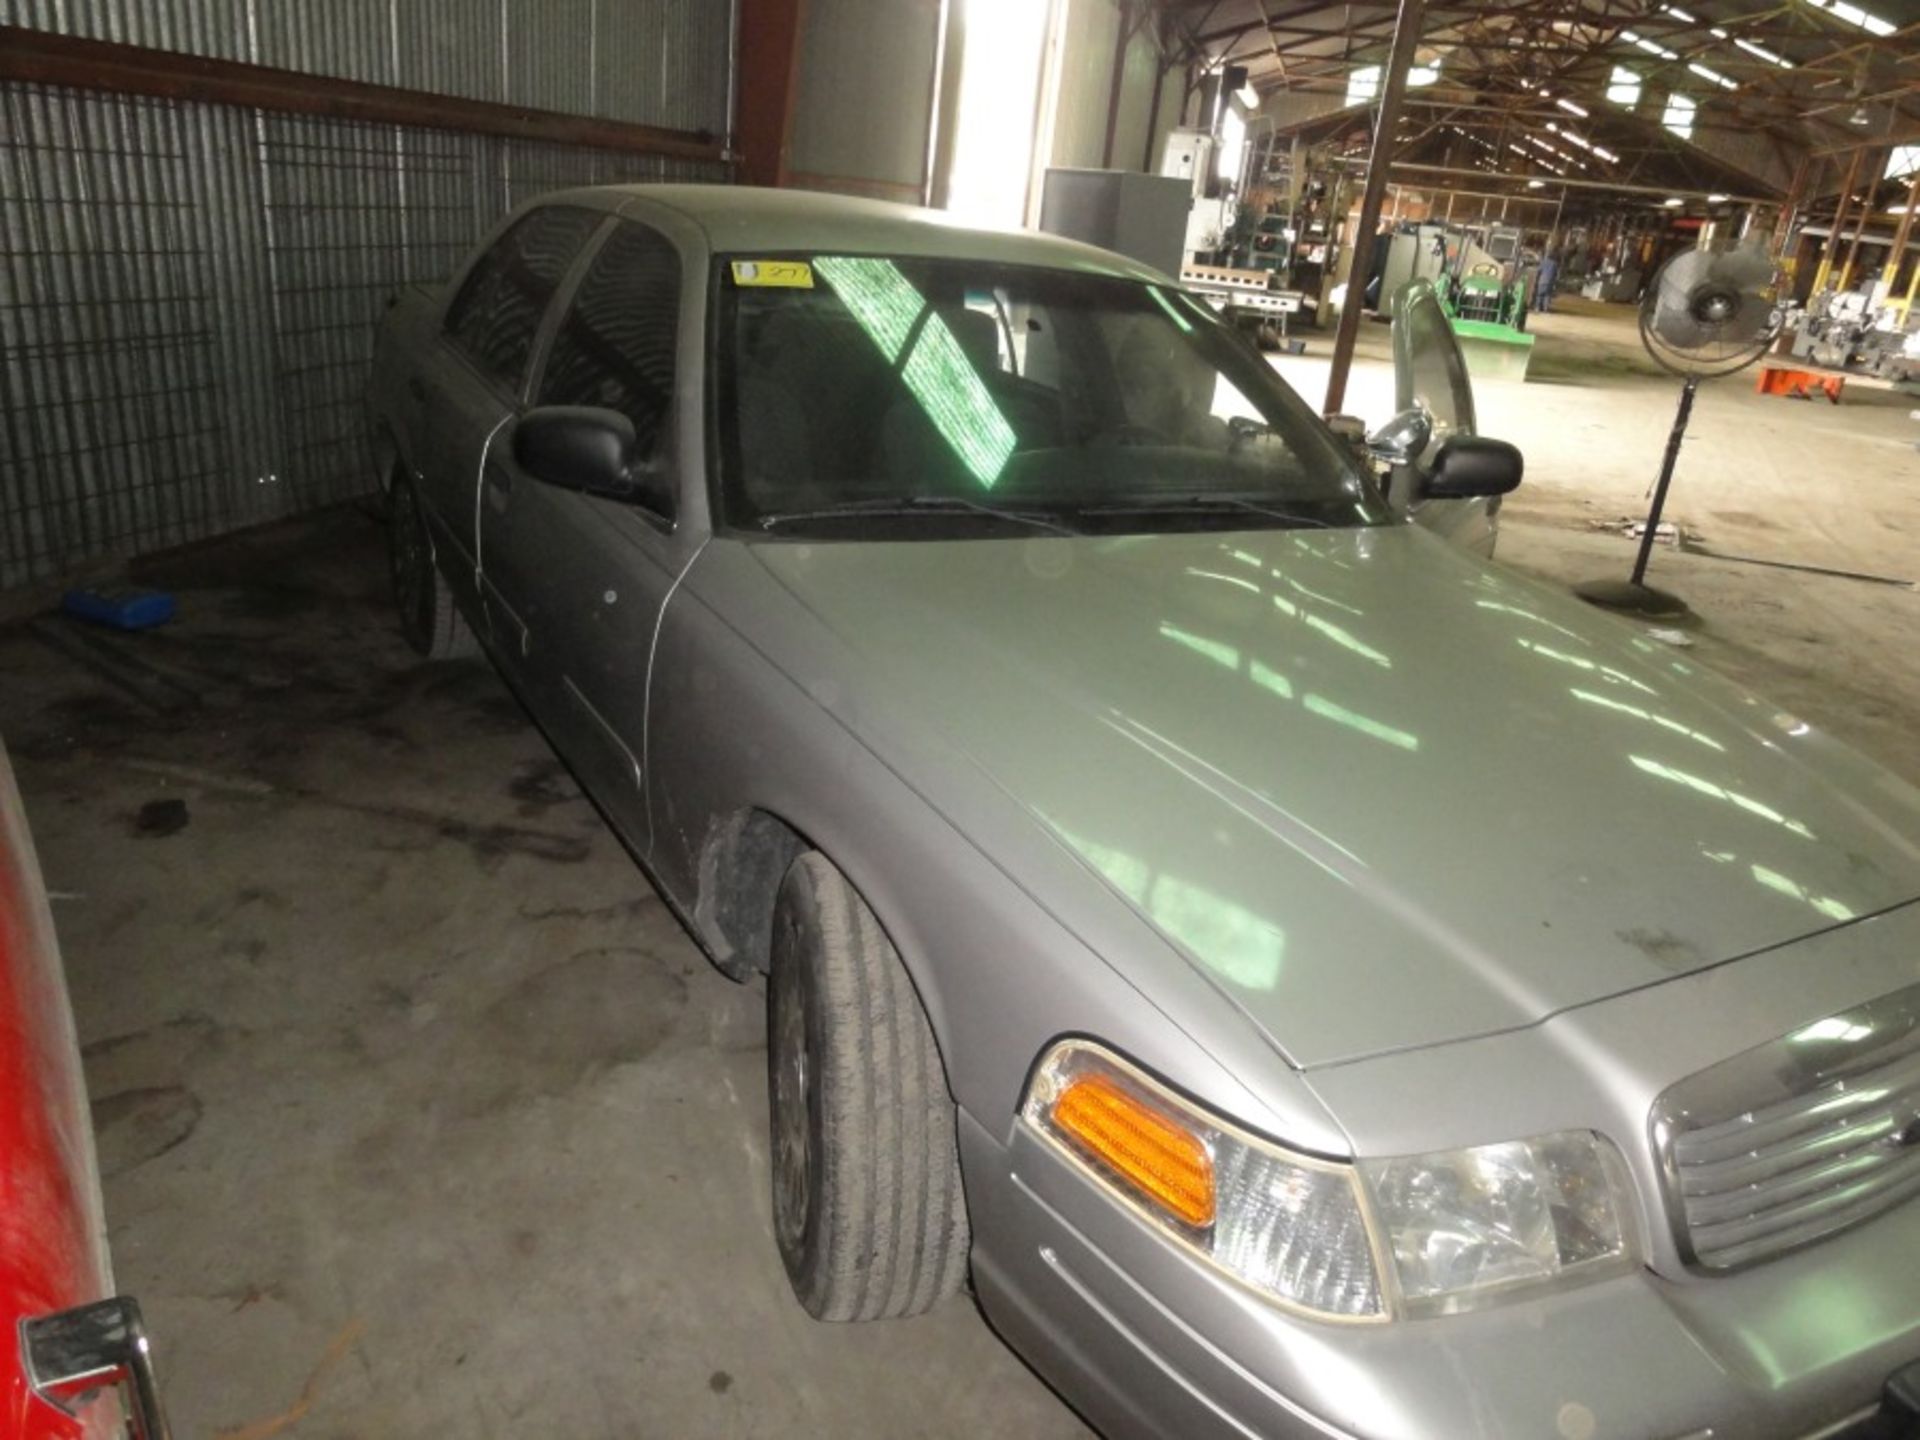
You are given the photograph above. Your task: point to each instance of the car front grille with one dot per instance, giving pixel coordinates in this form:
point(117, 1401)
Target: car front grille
point(1797, 1139)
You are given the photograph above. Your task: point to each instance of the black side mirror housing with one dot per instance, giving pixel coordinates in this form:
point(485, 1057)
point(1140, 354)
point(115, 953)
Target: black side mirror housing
point(585, 448)
point(1472, 465)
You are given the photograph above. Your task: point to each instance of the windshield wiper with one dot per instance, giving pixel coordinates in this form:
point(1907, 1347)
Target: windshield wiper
point(890, 505)
point(1200, 505)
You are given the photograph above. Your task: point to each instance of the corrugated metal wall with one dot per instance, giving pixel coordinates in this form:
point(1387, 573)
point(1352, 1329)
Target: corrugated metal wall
point(189, 291)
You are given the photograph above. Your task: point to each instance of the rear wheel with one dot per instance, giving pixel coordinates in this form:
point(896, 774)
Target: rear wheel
point(429, 619)
point(867, 1205)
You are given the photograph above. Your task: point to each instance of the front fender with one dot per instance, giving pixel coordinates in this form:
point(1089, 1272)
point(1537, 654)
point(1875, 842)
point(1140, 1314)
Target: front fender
point(1009, 941)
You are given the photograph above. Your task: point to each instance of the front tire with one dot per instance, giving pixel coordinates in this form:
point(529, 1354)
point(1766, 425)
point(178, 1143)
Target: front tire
point(867, 1205)
point(429, 619)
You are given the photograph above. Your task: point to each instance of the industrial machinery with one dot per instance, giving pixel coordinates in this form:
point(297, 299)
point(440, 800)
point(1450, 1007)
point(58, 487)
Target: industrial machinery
point(1248, 299)
point(1846, 331)
point(1234, 258)
point(1707, 313)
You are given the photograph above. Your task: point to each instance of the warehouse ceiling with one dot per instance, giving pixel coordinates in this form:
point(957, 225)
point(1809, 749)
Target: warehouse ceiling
point(1534, 88)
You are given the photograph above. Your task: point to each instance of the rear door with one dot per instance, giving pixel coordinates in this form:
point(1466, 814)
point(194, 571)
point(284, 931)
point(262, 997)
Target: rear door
point(1430, 374)
point(486, 344)
point(586, 577)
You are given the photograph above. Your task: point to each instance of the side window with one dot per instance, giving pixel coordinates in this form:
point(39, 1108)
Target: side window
point(616, 349)
point(498, 309)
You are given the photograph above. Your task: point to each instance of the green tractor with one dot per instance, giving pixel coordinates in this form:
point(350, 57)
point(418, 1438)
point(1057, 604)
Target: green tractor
point(1489, 316)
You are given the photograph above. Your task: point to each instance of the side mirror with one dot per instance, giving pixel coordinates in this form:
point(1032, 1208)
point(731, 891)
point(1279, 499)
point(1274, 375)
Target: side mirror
point(1403, 439)
point(1470, 465)
point(584, 448)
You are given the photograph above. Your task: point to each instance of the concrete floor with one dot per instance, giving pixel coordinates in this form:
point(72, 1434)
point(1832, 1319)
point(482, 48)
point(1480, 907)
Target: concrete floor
point(420, 1115)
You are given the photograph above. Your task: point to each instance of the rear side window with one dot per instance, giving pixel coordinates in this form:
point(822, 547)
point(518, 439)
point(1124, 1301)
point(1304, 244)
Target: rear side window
point(494, 317)
point(615, 349)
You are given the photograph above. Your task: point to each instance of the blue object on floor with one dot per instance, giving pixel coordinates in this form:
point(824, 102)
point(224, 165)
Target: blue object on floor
point(127, 609)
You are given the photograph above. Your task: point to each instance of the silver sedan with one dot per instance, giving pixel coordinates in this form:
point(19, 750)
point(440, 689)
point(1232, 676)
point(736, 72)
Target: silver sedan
point(1315, 982)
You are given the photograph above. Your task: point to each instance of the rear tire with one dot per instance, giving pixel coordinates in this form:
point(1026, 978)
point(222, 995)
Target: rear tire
point(867, 1205)
point(429, 618)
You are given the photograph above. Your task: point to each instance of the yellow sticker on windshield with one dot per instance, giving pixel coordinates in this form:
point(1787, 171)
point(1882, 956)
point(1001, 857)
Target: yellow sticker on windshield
point(777, 274)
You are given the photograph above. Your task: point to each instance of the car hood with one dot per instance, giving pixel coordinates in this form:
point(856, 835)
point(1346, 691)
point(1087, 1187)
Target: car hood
point(1376, 792)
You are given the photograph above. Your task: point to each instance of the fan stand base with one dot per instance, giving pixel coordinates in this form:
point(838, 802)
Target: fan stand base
point(1641, 600)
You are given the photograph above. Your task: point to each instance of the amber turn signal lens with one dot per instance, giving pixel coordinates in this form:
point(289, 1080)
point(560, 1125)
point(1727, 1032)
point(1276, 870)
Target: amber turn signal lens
point(1140, 1145)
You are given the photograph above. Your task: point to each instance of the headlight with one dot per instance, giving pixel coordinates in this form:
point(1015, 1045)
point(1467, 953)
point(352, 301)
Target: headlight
point(1469, 1224)
point(1423, 1235)
point(1289, 1225)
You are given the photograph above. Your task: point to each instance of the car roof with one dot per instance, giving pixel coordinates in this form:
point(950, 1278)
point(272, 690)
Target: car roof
point(740, 219)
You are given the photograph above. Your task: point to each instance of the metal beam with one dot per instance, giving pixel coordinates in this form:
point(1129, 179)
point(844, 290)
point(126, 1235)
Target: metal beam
point(1615, 186)
point(38, 57)
point(1406, 38)
point(1853, 247)
point(768, 84)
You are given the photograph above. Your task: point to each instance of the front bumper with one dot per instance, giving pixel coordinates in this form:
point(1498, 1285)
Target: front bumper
point(1145, 1341)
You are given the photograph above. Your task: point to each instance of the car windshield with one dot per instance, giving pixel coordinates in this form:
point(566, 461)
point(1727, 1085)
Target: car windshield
point(908, 397)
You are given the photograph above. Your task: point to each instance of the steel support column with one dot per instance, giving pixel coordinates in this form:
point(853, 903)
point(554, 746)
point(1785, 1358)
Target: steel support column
point(1866, 213)
point(1393, 90)
point(1832, 247)
point(769, 82)
point(1897, 256)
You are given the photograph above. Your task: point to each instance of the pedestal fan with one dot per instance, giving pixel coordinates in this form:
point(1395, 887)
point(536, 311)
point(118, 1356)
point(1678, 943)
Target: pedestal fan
point(1707, 313)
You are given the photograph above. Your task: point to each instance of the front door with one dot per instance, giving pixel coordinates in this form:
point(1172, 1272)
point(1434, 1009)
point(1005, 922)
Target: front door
point(486, 344)
point(1430, 374)
point(587, 576)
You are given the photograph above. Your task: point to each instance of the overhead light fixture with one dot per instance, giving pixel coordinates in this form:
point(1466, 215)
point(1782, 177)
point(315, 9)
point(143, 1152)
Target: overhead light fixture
point(1652, 47)
point(1673, 202)
point(1571, 108)
point(1860, 118)
point(1854, 15)
point(1716, 199)
point(1536, 184)
point(1763, 53)
point(1714, 75)
point(1248, 96)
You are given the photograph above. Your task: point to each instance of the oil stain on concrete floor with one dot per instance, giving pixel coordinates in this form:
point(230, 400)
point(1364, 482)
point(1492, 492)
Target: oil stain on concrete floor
point(411, 1095)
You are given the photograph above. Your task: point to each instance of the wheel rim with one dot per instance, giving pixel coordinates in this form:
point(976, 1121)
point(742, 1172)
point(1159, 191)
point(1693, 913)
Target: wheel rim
point(792, 1150)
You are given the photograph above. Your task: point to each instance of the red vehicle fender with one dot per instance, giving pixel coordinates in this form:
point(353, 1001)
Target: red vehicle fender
point(52, 1232)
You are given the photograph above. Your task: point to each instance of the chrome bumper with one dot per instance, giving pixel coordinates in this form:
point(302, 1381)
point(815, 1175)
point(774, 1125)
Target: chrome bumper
point(72, 1357)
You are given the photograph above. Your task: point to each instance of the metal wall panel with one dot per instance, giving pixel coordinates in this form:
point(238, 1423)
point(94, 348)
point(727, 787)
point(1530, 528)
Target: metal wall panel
point(348, 39)
point(217, 28)
point(866, 92)
point(1089, 32)
point(1135, 122)
point(188, 292)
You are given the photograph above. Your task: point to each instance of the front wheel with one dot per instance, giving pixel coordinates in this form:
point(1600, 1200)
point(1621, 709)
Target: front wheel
point(429, 619)
point(867, 1205)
